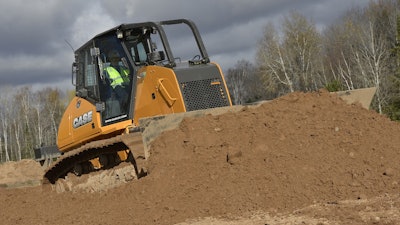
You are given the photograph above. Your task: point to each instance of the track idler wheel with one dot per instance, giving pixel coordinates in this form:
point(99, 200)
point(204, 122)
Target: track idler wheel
point(109, 160)
point(82, 168)
point(77, 169)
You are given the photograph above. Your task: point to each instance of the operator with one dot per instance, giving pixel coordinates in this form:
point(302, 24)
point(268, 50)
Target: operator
point(118, 76)
point(117, 73)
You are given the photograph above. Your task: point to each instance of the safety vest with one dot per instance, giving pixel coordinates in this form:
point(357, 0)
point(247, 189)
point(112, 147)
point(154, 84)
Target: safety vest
point(116, 77)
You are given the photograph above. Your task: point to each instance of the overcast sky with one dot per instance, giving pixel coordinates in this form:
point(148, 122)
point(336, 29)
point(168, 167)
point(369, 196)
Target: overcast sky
point(33, 50)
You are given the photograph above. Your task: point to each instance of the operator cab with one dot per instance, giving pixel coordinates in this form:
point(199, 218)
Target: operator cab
point(105, 77)
point(106, 66)
point(106, 71)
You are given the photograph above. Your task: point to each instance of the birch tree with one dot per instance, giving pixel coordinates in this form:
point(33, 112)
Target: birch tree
point(23, 99)
point(303, 45)
point(291, 62)
point(363, 42)
point(38, 129)
point(377, 41)
point(53, 109)
point(5, 116)
point(274, 68)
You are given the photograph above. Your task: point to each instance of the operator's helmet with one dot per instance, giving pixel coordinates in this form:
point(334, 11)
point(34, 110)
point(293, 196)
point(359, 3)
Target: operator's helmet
point(113, 55)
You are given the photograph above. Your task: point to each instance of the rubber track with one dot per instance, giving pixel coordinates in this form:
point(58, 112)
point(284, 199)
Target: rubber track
point(91, 150)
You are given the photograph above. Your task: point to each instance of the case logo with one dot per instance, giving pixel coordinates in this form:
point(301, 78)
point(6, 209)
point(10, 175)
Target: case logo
point(82, 119)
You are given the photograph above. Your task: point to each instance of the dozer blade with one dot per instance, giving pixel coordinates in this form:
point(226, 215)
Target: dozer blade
point(363, 96)
point(152, 127)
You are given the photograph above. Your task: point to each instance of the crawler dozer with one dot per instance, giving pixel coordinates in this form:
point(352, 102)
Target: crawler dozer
point(126, 74)
point(128, 91)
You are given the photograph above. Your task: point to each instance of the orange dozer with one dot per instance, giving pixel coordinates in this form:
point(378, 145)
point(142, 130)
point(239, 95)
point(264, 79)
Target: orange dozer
point(121, 76)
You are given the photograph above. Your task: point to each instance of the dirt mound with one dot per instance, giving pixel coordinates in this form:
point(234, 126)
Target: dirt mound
point(303, 158)
point(301, 149)
point(20, 174)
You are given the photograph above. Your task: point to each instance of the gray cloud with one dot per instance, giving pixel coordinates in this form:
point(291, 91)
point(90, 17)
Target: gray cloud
point(33, 50)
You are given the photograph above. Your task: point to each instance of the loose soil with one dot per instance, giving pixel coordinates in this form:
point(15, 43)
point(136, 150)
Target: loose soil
point(305, 158)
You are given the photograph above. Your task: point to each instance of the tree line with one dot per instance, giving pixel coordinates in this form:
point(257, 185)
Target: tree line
point(359, 50)
point(28, 119)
